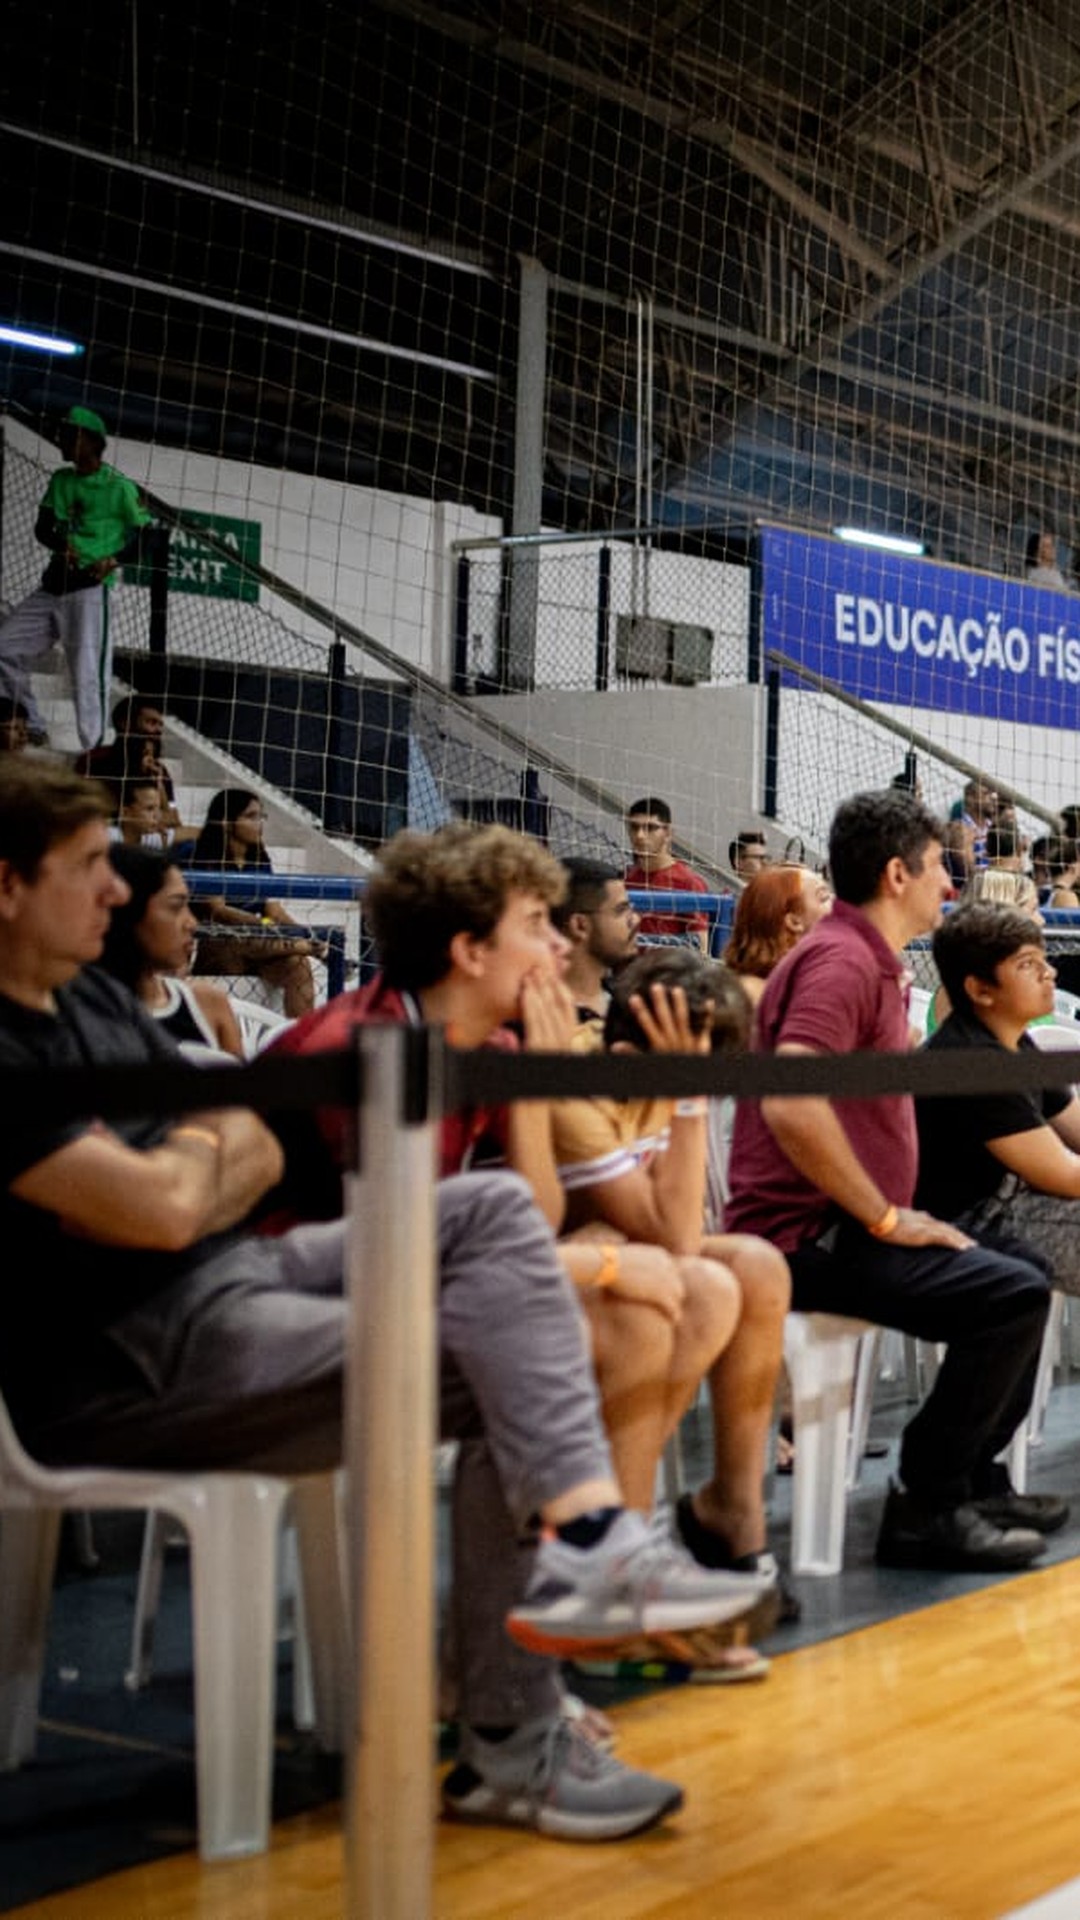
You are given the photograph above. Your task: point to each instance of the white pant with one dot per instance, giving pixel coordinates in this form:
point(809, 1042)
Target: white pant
point(80, 621)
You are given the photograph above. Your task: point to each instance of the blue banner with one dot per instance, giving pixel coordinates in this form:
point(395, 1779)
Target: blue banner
point(917, 633)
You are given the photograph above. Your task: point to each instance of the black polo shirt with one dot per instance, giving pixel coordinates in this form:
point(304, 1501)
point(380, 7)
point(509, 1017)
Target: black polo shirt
point(956, 1169)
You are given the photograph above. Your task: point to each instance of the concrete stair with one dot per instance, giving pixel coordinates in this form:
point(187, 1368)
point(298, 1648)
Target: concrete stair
point(295, 840)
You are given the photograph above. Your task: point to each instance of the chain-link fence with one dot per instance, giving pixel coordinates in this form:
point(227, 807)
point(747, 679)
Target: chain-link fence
point(595, 615)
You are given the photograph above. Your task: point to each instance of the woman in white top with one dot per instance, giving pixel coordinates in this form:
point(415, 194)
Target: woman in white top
point(150, 945)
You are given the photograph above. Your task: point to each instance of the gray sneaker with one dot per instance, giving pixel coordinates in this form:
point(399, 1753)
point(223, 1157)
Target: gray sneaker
point(547, 1776)
point(636, 1592)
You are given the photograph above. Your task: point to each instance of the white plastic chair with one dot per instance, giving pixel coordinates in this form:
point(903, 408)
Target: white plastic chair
point(919, 1008)
point(233, 1522)
point(314, 1506)
point(258, 1025)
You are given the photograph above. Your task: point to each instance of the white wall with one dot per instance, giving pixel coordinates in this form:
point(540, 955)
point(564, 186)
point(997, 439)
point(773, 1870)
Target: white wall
point(380, 560)
point(698, 748)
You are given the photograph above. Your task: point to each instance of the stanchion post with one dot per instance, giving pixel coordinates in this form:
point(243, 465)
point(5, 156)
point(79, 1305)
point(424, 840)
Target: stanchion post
point(390, 1435)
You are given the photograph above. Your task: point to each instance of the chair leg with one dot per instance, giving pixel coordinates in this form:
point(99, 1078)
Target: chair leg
point(323, 1616)
point(1049, 1356)
point(822, 1370)
point(866, 1369)
point(28, 1544)
point(293, 1626)
point(234, 1530)
point(147, 1602)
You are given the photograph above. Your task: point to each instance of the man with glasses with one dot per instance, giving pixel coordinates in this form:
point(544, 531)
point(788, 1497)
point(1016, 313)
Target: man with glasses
point(598, 919)
point(748, 853)
point(650, 828)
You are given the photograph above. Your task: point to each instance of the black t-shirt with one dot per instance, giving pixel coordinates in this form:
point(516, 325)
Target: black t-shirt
point(956, 1171)
point(61, 1290)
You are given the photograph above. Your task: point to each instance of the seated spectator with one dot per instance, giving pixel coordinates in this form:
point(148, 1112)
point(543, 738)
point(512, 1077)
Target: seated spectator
point(774, 910)
point(150, 946)
point(996, 886)
point(139, 725)
point(599, 923)
point(138, 813)
point(154, 1331)
point(1003, 1166)
point(461, 923)
point(14, 727)
point(748, 853)
point(231, 839)
point(970, 819)
point(1005, 848)
point(638, 1167)
point(650, 827)
point(1070, 821)
point(1062, 861)
point(1041, 568)
point(831, 1182)
point(1037, 853)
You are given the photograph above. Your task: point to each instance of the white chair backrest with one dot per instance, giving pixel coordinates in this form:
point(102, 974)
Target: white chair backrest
point(1053, 1036)
point(258, 1025)
point(919, 1007)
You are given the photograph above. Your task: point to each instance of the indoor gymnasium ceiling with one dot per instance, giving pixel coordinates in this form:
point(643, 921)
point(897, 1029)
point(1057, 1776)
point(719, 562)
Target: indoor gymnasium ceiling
point(815, 263)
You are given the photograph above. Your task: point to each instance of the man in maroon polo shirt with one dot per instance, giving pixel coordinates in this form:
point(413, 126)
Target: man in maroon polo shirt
point(831, 1183)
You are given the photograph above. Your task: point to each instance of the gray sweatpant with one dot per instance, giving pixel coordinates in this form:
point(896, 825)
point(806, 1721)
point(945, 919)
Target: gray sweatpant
point(80, 621)
point(240, 1364)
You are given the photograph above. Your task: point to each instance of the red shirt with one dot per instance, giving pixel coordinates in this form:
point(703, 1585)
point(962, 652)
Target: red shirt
point(678, 878)
point(840, 990)
point(328, 1029)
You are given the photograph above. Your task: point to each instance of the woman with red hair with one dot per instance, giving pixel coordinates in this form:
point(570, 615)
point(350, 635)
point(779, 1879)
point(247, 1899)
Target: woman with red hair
point(775, 909)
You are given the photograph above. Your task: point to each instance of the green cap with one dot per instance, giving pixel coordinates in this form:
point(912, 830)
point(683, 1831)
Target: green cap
point(85, 417)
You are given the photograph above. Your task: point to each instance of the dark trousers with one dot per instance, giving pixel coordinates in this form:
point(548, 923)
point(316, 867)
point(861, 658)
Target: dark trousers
point(989, 1308)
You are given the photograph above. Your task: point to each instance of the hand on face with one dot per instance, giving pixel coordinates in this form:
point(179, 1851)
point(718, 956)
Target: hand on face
point(548, 1013)
point(665, 1020)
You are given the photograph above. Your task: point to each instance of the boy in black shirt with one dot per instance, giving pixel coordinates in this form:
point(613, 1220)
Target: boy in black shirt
point(1003, 1166)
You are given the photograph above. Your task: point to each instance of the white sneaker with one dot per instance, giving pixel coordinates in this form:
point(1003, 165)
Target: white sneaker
point(635, 1591)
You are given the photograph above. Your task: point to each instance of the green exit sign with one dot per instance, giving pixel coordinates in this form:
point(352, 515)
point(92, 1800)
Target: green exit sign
point(196, 568)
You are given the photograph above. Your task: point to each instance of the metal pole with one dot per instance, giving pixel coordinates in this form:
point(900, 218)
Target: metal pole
point(459, 672)
point(524, 568)
point(390, 1433)
point(603, 620)
point(157, 541)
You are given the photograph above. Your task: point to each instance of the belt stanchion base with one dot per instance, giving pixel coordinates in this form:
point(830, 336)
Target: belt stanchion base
point(390, 1435)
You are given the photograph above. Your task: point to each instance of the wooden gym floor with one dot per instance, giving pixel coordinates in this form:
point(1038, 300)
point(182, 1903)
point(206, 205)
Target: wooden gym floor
point(921, 1769)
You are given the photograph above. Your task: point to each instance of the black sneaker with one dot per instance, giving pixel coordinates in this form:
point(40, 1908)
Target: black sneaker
point(711, 1550)
point(958, 1539)
point(1004, 1507)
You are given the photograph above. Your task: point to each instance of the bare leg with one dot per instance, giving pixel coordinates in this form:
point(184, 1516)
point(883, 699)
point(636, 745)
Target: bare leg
point(742, 1384)
point(632, 1349)
point(649, 1367)
point(296, 980)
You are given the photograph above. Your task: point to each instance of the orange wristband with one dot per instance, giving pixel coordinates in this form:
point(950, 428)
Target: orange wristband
point(608, 1271)
point(887, 1224)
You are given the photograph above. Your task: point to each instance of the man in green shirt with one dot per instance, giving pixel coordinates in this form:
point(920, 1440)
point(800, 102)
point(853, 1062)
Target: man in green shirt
point(89, 517)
